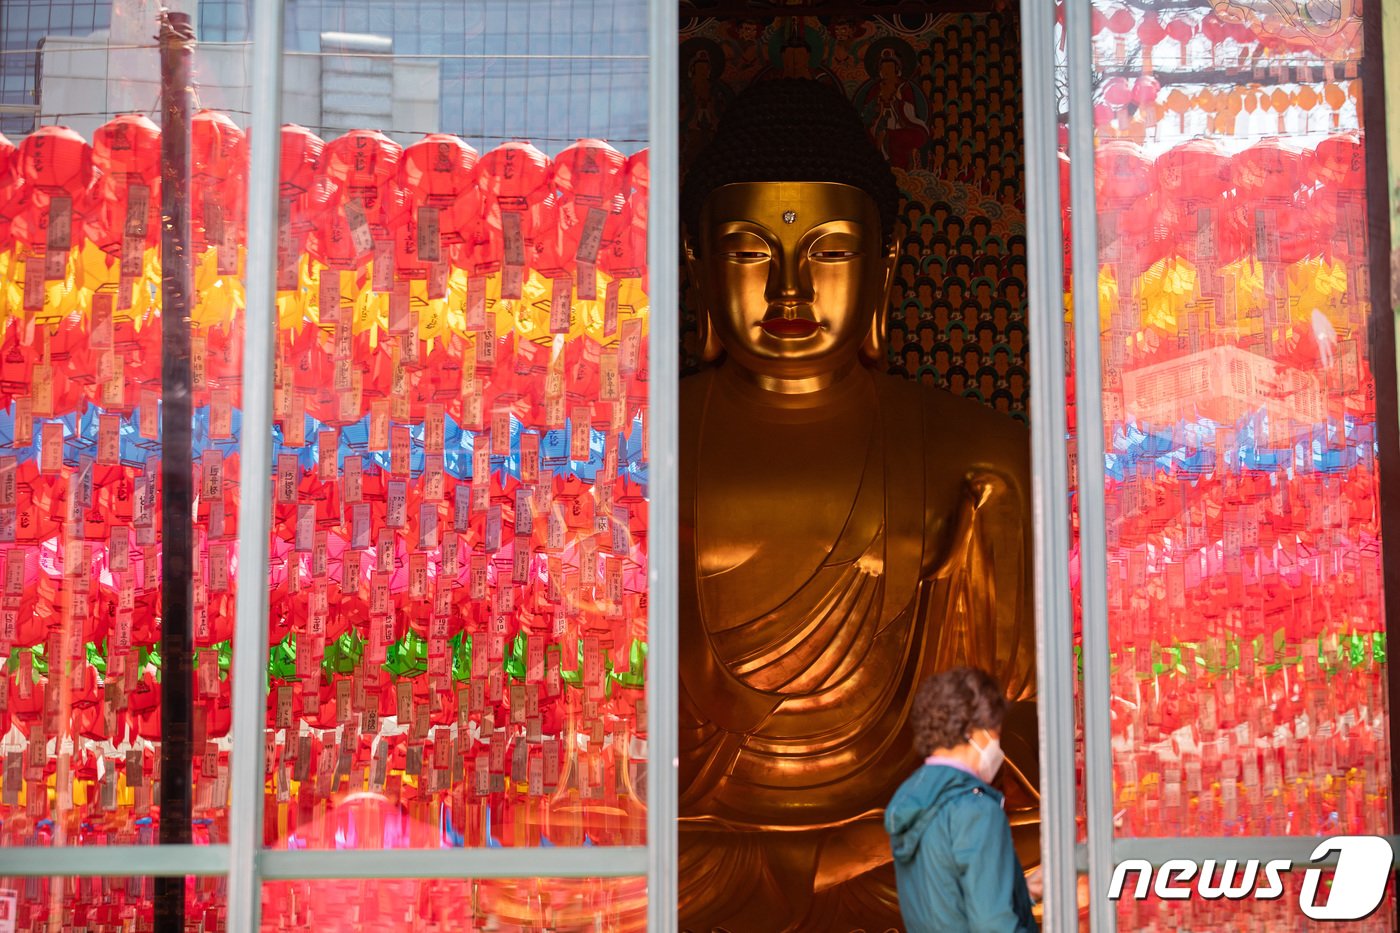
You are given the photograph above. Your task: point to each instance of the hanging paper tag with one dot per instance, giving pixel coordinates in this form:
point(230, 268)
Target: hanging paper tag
point(399, 451)
point(559, 306)
point(286, 479)
point(379, 424)
point(429, 240)
point(434, 427)
point(360, 234)
point(351, 485)
point(42, 391)
point(438, 273)
point(631, 344)
point(400, 315)
point(476, 304)
point(580, 432)
point(305, 527)
point(478, 578)
point(433, 481)
point(427, 526)
point(384, 548)
point(397, 504)
point(524, 518)
point(610, 305)
point(492, 541)
point(60, 237)
point(51, 448)
point(109, 439)
point(513, 240)
point(382, 279)
point(328, 295)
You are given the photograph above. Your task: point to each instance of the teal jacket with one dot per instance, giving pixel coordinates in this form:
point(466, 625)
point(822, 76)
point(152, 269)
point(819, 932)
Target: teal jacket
point(954, 862)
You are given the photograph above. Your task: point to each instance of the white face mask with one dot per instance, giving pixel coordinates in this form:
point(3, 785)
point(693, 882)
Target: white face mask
point(989, 758)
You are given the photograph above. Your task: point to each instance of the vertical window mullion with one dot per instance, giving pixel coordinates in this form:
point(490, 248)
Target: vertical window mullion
point(255, 516)
point(662, 682)
point(1089, 419)
point(1050, 480)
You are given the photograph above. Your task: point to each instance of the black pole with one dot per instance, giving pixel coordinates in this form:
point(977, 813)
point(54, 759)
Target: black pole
point(176, 468)
point(1382, 353)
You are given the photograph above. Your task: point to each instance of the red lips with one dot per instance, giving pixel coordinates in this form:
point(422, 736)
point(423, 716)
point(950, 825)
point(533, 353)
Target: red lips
point(790, 327)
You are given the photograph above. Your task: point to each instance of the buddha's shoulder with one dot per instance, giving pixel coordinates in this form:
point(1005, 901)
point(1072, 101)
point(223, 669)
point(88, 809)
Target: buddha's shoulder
point(960, 427)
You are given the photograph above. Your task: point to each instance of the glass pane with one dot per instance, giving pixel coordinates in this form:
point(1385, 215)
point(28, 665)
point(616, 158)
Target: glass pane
point(451, 905)
point(1244, 567)
point(101, 523)
point(940, 96)
point(459, 550)
point(103, 904)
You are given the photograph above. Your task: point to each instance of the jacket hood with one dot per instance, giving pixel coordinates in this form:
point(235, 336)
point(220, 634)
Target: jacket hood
point(920, 799)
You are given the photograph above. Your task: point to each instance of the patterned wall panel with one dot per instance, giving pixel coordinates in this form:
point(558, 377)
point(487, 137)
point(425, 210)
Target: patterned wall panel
point(941, 95)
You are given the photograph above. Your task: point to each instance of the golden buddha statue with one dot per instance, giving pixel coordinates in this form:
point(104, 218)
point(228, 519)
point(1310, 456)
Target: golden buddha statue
point(844, 534)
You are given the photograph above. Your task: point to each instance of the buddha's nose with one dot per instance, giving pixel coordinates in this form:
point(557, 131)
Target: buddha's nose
point(789, 286)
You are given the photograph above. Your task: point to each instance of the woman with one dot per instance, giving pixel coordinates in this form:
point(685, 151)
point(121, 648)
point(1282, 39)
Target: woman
point(955, 865)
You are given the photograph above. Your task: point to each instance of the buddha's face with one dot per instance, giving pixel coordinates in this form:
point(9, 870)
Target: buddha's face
point(791, 273)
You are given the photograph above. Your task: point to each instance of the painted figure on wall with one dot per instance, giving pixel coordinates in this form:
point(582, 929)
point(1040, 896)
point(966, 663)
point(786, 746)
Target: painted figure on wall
point(893, 104)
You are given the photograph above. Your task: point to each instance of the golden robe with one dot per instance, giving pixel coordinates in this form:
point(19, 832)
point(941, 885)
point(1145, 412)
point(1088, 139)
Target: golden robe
point(800, 658)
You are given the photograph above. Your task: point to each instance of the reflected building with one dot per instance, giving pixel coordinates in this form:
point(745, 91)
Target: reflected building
point(550, 71)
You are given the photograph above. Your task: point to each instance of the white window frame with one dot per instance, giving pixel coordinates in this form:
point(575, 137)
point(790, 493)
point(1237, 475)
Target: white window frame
point(244, 860)
point(1064, 859)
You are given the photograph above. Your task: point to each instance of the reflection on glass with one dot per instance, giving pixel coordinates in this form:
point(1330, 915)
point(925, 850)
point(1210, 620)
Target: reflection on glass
point(100, 904)
point(458, 579)
point(459, 548)
point(451, 905)
point(1244, 564)
point(82, 529)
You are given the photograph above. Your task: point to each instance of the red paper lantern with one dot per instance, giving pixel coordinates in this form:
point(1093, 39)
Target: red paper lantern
point(1121, 22)
point(1340, 161)
point(298, 160)
point(219, 165)
point(1271, 168)
point(1150, 31)
point(54, 161)
point(434, 173)
point(10, 184)
point(1123, 172)
point(626, 256)
point(1198, 170)
point(513, 178)
point(1180, 31)
point(128, 145)
point(364, 164)
point(589, 177)
point(1214, 28)
point(126, 150)
point(1117, 93)
point(436, 169)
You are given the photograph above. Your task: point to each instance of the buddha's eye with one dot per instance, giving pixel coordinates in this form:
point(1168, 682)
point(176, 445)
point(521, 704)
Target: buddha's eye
point(743, 248)
point(835, 247)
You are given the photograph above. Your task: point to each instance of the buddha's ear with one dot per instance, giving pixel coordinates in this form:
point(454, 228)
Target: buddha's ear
point(875, 347)
point(891, 259)
point(710, 347)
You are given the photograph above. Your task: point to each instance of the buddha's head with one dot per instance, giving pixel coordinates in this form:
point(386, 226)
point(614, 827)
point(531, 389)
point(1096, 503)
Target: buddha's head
point(788, 218)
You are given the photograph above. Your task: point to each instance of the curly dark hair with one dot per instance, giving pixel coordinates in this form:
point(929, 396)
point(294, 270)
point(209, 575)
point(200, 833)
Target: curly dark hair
point(791, 129)
point(950, 705)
